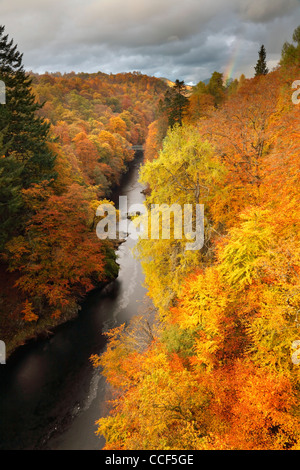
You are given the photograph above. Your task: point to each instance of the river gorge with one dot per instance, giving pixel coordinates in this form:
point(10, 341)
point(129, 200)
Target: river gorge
point(50, 394)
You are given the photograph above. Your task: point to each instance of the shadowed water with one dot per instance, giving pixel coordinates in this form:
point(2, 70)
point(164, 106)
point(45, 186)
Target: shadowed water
point(50, 395)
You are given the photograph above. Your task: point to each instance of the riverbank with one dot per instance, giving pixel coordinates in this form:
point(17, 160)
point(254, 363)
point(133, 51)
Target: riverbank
point(16, 332)
point(50, 394)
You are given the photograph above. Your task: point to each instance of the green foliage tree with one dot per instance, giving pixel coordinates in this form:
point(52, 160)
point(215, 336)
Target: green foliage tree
point(176, 103)
point(232, 86)
point(216, 88)
point(290, 54)
point(261, 65)
point(26, 158)
point(25, 134)
point(10, 197)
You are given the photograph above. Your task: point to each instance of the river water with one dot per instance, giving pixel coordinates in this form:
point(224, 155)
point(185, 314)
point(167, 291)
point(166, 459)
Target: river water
point(50, 395)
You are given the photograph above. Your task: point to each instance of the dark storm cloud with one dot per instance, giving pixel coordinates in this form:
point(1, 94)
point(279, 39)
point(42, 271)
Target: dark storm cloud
point(177, 39)
point(265, 10)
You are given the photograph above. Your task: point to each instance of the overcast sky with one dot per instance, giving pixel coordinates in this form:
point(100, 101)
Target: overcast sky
point(184, 39)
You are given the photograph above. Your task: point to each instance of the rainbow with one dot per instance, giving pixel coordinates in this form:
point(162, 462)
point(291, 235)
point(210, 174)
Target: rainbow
point(229, 69)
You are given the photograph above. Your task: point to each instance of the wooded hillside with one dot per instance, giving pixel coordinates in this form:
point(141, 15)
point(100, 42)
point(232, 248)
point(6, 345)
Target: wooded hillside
point(223, 369)
point(66, 140)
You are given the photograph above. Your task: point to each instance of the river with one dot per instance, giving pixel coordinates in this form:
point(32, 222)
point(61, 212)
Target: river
point(50, 395)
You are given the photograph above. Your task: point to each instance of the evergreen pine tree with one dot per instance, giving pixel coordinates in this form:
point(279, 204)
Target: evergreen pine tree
point(176, 103)
point(24, 154)
point(25, 132)
point(11, 203)
point(261, 65)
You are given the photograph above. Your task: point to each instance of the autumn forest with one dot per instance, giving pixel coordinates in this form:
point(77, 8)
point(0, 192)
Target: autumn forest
point(217, 369)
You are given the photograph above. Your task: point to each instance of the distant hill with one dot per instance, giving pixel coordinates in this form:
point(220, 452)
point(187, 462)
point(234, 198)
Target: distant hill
point(167, 81)
point(189, 88)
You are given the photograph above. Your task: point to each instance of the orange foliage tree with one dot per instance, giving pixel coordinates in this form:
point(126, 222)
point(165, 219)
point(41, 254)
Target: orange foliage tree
point(219, 373)
point(59, 258)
